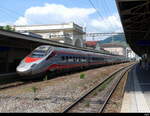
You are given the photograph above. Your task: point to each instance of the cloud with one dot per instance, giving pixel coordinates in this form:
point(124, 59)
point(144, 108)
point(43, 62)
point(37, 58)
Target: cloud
point(53, 14)
point(108, 24)
point(58, 13)
point(21, 21)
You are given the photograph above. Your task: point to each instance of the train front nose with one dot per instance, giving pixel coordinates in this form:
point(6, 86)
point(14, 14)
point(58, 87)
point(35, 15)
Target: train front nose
point(24, 70)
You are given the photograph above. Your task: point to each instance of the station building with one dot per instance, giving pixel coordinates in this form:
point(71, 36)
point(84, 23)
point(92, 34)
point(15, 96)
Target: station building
point(130, 54)
point(96, 45)
point(115, 48)
point(68, 33)
point(120, 50)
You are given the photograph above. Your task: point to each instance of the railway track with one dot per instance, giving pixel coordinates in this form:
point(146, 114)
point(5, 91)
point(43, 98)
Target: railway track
point(8, 75)
point(10, 80)
point(115, 77)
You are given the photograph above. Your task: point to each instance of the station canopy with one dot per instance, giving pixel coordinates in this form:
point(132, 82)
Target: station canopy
point(135, 18)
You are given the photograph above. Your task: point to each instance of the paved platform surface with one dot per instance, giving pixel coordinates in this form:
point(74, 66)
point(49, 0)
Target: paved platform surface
point(137, 91)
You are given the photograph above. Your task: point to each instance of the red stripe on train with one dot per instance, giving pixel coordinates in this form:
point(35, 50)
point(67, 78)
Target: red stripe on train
point(57, 66)
point(30, 59)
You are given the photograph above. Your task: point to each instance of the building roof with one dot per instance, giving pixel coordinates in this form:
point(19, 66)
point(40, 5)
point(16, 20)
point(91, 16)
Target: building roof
point(135, 18)
point(91, 43)
point(49, 27)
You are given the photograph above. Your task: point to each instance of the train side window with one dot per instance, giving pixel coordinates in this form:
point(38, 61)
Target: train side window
point(74, 59)
point(79, 59)
point(51, 55)
point(93, 59)
point(70, 59)
point(63, 58)
point(84, 59)
point(66, 58)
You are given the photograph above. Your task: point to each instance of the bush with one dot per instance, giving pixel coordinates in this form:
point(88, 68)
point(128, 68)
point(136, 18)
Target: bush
point(45, 78)
point(8, 28)
point(34, 89)
point(82, 76)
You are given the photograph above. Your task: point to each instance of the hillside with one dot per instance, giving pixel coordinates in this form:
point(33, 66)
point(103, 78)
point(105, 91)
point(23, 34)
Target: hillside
point(119, 39)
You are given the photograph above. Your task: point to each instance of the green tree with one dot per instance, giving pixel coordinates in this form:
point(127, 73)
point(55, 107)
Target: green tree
point(1, 27)
point(8, 28)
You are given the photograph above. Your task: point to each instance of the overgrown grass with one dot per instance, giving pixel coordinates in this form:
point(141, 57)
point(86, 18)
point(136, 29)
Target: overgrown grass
point(95, 93)
point(87, 104)
point(82, 76)
point(34, 90)
point(45, 78)
point(104, 85)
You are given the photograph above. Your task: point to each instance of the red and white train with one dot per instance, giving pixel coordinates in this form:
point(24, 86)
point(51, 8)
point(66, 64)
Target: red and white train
point(47, 58)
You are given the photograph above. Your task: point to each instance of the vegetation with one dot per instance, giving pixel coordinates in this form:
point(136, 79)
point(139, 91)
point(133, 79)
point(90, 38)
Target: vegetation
point(34, 89)
point(104, 85)
point(82, 76)
point(45, 78)
point(87, 104)
point(95, 93)
point(7, 27)
point(1, 27)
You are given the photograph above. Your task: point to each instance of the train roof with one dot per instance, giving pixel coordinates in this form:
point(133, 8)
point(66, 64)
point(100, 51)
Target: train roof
point(81, 51)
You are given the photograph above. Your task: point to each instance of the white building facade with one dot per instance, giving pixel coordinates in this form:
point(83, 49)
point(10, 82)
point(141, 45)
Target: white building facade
point(69, 33)
point(130, 54)
point(120, 50)
point(115, 49)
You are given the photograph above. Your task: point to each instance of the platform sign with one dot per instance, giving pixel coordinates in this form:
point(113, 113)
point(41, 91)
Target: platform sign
point(143, 42)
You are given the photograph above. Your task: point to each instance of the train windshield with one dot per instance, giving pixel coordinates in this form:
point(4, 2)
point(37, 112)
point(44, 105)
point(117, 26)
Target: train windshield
point(40, 52)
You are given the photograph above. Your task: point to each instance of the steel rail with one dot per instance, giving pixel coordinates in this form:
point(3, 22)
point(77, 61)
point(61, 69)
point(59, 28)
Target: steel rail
point(69, 107)
point(7, 80)
point(8, 75)
point(101, 109)
point(11, 78)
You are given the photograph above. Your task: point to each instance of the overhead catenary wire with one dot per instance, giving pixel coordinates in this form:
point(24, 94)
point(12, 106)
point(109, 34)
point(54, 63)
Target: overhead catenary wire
point(96, 9)
point(110, 23)
point(99, 14)
point(108, 10)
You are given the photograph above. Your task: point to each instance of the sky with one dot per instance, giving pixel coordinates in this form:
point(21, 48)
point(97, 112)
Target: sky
point(95, 15)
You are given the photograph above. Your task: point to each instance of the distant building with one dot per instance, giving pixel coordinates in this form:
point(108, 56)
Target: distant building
point(130, 54)
point(92, 44)
point(115, 48)
point(69, 33)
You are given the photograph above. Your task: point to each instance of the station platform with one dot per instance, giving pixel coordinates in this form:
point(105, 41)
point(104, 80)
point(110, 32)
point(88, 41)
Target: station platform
point(137, 91)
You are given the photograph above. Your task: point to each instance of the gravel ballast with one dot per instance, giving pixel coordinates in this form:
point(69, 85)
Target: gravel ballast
point(54, 94)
